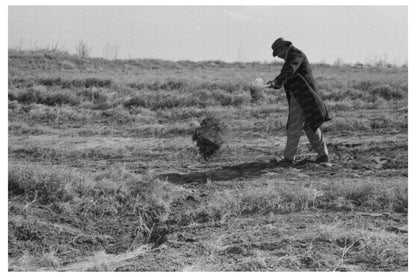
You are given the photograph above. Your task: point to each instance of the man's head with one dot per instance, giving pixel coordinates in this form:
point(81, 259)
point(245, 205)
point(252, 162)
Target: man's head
point(280, 47)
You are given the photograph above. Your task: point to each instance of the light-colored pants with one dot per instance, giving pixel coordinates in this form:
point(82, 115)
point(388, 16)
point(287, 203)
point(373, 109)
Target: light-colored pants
point(294, 132)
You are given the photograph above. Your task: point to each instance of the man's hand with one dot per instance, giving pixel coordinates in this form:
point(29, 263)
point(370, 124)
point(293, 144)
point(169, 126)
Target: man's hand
point(272, 84)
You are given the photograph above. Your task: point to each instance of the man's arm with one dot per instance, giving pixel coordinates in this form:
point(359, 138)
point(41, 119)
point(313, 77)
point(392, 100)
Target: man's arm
point(291, 65)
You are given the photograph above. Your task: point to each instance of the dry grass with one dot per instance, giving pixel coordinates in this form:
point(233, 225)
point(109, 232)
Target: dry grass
point(281, 197)
point(86, 144)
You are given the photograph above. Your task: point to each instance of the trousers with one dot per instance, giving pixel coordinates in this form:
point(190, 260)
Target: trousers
point(296, 123)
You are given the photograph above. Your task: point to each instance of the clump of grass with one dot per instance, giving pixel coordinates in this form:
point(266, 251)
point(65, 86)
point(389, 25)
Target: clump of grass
point(75, 83)
point(365, 194)
point(53, 115)
point(39, 184)
point(387, 92)
point(40, 95)
point(365, 85)
point(400, 199)
point(385, 121)
point(224, 99)
point(12, 94)
point(204, 96)
point(136, 101)
point(31, 95)
point(22, 128)
point(239, 99)
point(117, 115)
point(347, 124)
point(374, 249)
point(94, 95)
point(156, 86)
point(181, 113)
point(228, 87)
point(359, 193)
point(273, 197)
point(128, 208)
point(59, 98)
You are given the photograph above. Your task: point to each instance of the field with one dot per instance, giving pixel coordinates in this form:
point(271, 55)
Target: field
point(103, 174)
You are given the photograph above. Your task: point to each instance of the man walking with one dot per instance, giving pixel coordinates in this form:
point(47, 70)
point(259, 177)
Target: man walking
point(307, 111)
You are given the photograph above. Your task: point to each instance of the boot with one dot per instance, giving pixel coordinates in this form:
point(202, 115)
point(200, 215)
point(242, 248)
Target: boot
point(322, 159)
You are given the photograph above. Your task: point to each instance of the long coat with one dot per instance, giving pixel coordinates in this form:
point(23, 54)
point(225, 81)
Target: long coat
point(297, 79)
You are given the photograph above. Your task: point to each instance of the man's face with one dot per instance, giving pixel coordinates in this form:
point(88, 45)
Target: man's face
point(280, 52)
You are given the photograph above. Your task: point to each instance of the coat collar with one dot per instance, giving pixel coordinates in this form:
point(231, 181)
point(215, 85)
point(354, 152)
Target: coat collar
point(287, 52)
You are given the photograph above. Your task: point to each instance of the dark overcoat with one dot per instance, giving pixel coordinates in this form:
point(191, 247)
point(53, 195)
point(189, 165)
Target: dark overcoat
point(297, 79)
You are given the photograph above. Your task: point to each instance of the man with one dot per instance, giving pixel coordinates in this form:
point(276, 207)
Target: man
point(307, 111)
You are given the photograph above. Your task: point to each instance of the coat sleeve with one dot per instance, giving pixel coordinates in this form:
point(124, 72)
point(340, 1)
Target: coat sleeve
point(291, 65)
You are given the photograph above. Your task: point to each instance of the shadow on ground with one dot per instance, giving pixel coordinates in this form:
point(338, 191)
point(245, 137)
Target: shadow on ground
point(244, 170)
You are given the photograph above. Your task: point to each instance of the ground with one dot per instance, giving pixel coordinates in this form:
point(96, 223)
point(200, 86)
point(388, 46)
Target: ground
point(104, 175)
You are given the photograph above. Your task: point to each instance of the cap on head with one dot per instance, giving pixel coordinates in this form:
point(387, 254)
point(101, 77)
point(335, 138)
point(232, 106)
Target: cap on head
point(280, 45)
point(281, 42)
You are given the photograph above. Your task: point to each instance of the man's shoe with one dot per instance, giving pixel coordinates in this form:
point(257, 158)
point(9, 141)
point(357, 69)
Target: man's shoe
point(322, 159)
point(284, 162)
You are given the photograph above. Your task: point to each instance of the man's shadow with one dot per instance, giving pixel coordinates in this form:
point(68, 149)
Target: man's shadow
point(240, 171)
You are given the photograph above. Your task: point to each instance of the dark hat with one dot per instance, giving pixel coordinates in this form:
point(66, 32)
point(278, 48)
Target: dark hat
point(281, 42)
